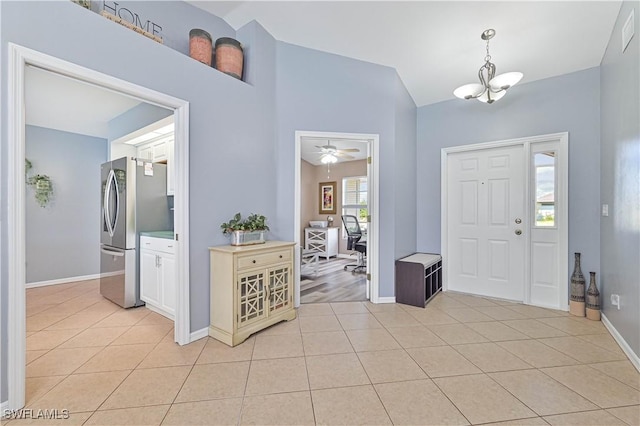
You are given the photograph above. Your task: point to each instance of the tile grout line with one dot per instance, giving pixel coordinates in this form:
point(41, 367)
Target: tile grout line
point(127, 376)
point(306, 367)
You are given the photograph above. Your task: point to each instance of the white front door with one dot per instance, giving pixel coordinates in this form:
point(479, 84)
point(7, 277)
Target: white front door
point(485, 223)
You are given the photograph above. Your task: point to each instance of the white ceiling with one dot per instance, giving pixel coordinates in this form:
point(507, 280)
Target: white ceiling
point(310, 152)
point(435, 45)
point(62, 103)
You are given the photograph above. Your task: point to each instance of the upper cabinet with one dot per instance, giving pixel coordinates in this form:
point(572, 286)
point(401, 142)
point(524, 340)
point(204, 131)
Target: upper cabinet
point(157, 151)
point(161, 151)
point(154, 143)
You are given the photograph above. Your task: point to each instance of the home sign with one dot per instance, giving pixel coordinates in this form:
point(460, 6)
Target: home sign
point(132, 20)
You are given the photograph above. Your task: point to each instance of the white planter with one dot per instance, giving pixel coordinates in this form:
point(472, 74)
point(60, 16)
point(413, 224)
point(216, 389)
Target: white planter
point(245, 238)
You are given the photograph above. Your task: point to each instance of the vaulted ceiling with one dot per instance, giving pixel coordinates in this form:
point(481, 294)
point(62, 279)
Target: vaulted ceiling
point(435, 45)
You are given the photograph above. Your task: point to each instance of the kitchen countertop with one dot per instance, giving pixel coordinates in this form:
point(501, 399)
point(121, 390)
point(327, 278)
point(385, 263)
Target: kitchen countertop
point(169, 235)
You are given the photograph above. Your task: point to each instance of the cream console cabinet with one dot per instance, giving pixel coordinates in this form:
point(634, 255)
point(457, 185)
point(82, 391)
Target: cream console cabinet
point(251, 289)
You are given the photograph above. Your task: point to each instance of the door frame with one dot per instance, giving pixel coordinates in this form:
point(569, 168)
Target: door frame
point(18, 58)
point(562, 212)
point(373, 143)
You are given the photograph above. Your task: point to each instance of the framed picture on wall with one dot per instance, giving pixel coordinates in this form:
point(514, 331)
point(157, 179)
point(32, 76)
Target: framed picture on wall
point(327, 197)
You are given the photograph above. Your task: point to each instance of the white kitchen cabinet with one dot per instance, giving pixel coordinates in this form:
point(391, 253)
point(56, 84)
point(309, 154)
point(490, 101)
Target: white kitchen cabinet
point(251, 289)
point(157, 151)
point(145, 152)
point(158, 275)
point(171, 168)
point(322, 240)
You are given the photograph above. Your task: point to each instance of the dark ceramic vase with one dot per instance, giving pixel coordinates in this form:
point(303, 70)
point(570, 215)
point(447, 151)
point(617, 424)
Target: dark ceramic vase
point(593, 299)
point(576, 304)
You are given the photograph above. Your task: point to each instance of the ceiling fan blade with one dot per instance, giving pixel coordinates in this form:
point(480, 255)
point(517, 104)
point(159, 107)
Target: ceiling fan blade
point(350, 150)
point(345, 156)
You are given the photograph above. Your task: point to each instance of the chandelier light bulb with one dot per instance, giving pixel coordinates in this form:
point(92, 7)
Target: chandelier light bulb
point(505, 81)
point(469, 91)
point(491, 87)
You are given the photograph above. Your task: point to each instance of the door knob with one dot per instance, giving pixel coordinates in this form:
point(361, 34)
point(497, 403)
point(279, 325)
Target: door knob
point(518, 220)
point(518, 232)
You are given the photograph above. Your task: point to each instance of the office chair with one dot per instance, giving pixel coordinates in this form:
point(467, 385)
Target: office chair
point(354, 235)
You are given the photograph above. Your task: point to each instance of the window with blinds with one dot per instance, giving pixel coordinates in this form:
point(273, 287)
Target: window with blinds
point(355, 200)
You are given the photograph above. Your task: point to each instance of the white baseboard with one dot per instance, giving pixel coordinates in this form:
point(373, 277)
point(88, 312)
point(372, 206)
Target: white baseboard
point(199, 334)
point(345, 256)
point(386, 300)
point(635, 360)
point(66, 280)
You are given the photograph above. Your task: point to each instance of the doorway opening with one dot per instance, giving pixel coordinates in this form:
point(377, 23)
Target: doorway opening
point(505, 220)
point(336, 217)
point(20, 59)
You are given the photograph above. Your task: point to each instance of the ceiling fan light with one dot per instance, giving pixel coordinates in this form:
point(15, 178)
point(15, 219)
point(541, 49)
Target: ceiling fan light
point(490, 97)
point(505, 81)
point(329, 159)
point(469, 91)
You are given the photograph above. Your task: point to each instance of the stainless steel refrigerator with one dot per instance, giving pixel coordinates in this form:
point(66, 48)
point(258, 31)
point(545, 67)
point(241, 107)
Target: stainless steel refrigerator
point(134, 200)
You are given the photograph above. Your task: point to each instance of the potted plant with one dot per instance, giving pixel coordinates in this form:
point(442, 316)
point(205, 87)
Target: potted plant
point(246, 231)
point(41, 184)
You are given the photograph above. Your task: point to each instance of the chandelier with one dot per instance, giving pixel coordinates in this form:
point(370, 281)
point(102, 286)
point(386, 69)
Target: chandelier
point(491, 87)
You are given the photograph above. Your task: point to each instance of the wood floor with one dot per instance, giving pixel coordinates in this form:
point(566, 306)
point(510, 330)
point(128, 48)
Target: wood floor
point(333, 283)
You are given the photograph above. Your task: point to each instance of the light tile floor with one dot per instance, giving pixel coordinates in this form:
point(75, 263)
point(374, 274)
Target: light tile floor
point(462, 360)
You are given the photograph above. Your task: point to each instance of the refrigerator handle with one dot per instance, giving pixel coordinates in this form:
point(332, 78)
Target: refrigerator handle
point(105, 204)
point(111, 253)
point(115, 183)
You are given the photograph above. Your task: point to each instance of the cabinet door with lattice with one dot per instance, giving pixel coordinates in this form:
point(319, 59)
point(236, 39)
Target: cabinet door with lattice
point(280, 295)
point(251, 297)
point(316, 240)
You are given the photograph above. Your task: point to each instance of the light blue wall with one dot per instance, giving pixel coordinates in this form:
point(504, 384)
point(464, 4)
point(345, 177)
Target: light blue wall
point(318, 91)
point(62, 239)
point(405, 172)
point(134, 119)
point(620, 180)
point(231, 122)
point(570, 102)
point(175, 17)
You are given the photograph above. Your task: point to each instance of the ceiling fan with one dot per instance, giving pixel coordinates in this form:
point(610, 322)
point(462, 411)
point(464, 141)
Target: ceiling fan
point(329, 154)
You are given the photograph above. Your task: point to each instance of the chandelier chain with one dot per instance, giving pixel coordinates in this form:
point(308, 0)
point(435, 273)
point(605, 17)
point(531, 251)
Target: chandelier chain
point(488, 57)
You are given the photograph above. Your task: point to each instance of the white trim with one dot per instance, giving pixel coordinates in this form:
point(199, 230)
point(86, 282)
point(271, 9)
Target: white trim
point(199, 334)
point(69, 280)
point(160, 311)
point(373, 264)
point(563, 191)
point(635, 359)
point(181, 224)
point(16, 313)
point(18, 58)
point(386, 299)
point(344, 256)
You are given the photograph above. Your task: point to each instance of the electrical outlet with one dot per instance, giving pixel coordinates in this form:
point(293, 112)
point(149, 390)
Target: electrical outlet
point(615, 300)
point(605, 210)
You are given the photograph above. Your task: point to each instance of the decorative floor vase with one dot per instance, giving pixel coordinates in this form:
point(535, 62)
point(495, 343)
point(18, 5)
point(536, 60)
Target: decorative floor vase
point(576, 303)
point(593, 299)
